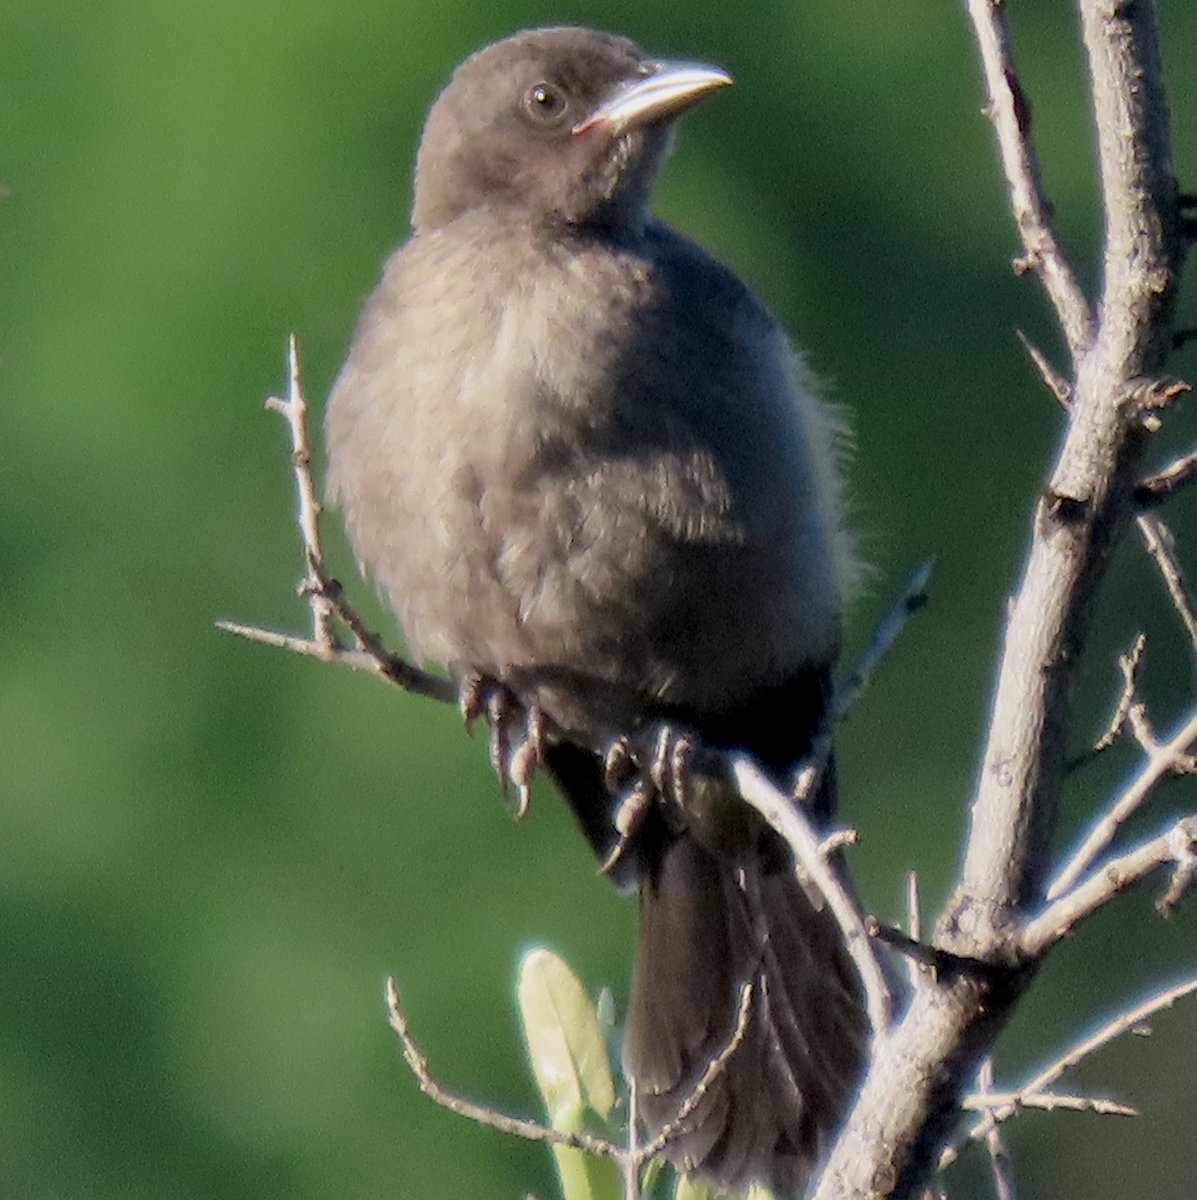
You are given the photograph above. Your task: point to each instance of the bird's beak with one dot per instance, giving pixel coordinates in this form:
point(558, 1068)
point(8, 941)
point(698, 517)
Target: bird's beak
point(664, 92)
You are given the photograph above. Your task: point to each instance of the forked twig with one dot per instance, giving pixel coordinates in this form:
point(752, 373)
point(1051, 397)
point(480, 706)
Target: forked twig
point(520, 1127)
point(1176, 845)
point(1035, 1092)
point(631, 1159)
point(325, 597)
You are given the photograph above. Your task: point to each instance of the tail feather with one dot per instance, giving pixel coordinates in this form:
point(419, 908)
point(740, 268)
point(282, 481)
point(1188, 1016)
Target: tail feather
point(707, 927)
point(720, 906)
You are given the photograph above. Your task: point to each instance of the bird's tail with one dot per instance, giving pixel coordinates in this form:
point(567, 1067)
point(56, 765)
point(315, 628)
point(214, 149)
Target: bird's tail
point(769, 1110)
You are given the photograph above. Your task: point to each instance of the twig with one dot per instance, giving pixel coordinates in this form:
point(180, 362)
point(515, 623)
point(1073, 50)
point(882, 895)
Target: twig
point(324, 595)
point(1009, 111)
point(1170, 758)
point(787, 819)
point(1157, 488)
point(911, 598)
point(914, 925)
point(714, 1068)
point(1157, 538)
point(516, 1126)
point(1083, 899)
point(989, 1102)
point(999, 1158)
point(1038, 1086)
point(294, 410)
point(1185, 858)
point(1128, 666)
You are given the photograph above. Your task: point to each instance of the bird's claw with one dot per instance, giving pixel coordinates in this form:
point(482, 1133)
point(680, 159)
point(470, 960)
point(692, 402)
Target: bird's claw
point(517, 733)
point(652, 764)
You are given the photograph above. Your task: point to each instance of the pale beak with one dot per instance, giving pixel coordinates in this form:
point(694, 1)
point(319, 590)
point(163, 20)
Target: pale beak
point(664, 92)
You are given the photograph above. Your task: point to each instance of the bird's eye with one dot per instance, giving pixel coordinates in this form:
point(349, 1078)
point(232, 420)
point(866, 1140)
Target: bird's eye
point(545, 103)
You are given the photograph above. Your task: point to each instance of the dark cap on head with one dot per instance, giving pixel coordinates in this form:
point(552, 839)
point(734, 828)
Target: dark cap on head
point(566, 125)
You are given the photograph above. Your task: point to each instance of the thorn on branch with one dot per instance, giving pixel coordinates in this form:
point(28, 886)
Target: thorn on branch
point(1056, 383)
point(940, 964)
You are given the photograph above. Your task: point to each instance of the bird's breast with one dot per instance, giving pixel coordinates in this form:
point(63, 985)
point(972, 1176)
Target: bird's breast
point(541, 477)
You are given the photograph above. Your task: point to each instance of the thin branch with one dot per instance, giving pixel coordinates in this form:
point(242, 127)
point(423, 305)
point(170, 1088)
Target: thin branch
point(294, 410)
point(911, 598)
point(787, 819)
point(1010, 113)
point(325, 597)
point(1157, 538)
point(714, 1069)
point(1083, 899)
point(1035, 1091)
point(1008, 1103)
point(516, 1126)
point(1159, 487)
point(1128, 666)
point(914, 925)
point(999, 1158)
point(1170, 758)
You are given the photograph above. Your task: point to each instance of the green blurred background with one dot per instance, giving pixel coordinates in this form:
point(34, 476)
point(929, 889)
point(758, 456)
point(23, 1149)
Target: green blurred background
point(212, 853)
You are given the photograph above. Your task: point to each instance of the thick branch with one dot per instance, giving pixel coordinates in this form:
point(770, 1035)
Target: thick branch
point(911, 1091)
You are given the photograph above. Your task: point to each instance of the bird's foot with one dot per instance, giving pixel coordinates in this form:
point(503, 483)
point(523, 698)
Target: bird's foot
point(516, 745)
point(651, 764)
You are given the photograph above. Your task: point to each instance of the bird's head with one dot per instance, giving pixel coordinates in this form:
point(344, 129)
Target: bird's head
point(557, 125)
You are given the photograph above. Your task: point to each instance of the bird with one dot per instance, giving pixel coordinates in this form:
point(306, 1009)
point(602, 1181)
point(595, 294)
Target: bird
point(578, 457)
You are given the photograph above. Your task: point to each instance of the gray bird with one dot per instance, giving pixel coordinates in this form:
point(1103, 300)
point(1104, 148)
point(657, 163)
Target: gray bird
point(579, 457)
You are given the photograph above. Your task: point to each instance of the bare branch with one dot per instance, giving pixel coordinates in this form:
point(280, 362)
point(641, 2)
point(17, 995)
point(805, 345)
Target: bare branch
point(1010, 113)
point(1185, 857)
point(909, 1096)
point(1008, 1104)
point(1171, 758)
point(1157, 538)
point(1159, 487)
point(787, 819)
point(999, 1158)
point(914, 924)
point(911, 598)
point(516, 1126)
point(1128, 666)
point(1038, 1086)
point(294, 410)
point(324, 595)
point(1083, 899)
